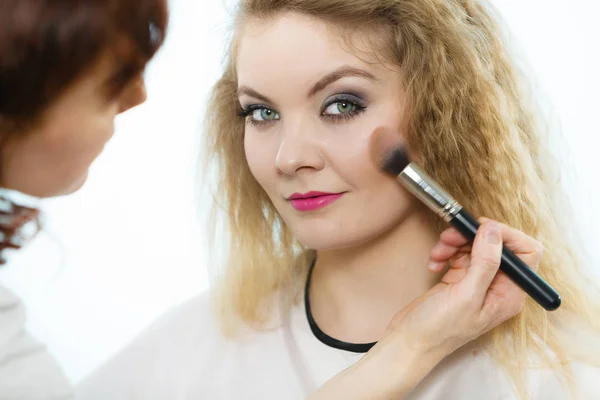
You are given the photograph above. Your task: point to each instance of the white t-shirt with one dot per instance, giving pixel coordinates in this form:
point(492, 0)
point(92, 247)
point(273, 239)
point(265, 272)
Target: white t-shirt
point(27, 371)
point(183, 356)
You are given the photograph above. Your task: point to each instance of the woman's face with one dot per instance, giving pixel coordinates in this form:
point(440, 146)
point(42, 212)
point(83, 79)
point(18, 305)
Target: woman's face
point(54, 157)
point(312, 105)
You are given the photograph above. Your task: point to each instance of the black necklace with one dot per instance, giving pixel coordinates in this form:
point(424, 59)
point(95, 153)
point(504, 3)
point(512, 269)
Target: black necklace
point(322, 336)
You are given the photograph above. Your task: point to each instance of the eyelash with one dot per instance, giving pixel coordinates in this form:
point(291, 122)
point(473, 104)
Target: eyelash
point(249, 110)
point(358, 105)
point(359, 108)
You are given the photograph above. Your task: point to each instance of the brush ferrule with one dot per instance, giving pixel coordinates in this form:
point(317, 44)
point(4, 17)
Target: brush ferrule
point(429, 192)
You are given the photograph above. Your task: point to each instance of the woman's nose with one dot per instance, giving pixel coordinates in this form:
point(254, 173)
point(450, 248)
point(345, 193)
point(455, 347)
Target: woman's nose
point(133, 95)
point(298, 150)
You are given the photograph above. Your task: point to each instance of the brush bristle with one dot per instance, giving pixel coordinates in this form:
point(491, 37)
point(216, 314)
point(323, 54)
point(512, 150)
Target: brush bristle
point(388, 151)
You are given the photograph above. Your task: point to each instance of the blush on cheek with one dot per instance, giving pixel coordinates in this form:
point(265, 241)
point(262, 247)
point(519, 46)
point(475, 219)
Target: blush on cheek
point(349, 155)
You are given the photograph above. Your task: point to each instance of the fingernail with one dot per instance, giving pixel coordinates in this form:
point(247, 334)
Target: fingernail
point(492, 233)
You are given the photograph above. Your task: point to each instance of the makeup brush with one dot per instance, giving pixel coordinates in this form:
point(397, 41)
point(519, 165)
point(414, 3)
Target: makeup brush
point(393, 158)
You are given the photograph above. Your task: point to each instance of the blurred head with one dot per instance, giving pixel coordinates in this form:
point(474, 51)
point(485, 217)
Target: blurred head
point(67, 69)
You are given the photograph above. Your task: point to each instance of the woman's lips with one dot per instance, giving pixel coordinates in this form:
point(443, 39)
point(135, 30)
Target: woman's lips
point(312, 200)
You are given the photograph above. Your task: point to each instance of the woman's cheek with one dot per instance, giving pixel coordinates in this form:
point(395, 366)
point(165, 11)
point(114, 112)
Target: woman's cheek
point(349, 153)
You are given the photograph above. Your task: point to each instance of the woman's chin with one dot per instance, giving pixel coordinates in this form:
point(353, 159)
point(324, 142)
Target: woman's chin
point(328, 240)
point(73, 187)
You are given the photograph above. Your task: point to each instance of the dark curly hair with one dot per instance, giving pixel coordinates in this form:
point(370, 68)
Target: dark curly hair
point(46, 45)
point(14, 219)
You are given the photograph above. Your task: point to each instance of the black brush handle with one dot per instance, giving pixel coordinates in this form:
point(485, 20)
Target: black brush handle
point(511, 265)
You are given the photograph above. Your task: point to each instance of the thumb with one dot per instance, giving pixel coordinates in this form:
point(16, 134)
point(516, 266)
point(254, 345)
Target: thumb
point(485, 259)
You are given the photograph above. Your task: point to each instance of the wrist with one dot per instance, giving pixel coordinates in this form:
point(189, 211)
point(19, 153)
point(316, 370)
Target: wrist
point(399, 366)
point(390, 370)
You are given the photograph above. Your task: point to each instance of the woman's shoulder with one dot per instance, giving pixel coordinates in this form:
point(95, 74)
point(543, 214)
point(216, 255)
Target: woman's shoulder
point(547, 384)
point(185, 351)
point(188, 319)
point(548, 374)
point(184, 326)
point(587, 379)
point(580, 360)
point(473, 370)
point(581, 347)
point(163, 355)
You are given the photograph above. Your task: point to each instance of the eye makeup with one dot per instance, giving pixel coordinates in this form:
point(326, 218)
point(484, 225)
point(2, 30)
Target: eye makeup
point(337, 108)
point(342, 107)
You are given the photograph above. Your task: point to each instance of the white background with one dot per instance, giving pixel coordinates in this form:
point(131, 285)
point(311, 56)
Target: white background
point(129, 245)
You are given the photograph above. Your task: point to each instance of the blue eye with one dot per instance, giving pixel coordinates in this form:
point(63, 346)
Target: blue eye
point(264, 114)
point(259, 114)
point(336, 109)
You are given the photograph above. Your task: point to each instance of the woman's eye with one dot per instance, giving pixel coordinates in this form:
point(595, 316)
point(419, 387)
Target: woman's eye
point(340, 107)
point(264, 114)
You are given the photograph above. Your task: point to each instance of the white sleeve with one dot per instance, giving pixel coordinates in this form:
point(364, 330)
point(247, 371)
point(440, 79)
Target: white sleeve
point(27, 370)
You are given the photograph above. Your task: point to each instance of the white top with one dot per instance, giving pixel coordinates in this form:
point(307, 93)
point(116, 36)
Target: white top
point(27, 371)
point(183, 356)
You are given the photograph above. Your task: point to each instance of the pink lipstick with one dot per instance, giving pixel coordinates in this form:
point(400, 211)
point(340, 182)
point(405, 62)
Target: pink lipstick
point(312, 200)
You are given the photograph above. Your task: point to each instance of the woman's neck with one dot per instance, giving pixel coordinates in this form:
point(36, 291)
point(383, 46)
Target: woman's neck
point(355, 292)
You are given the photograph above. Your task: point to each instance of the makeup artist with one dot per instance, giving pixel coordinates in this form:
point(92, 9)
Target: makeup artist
point(67, 69)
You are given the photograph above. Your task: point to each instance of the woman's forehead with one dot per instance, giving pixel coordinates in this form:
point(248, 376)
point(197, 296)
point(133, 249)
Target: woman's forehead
point(301, 44)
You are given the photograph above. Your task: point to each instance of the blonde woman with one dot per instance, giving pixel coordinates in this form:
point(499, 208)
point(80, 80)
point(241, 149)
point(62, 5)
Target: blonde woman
point(330, 259)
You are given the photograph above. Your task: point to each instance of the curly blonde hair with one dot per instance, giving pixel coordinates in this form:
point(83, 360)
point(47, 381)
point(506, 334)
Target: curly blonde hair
point(475, 130)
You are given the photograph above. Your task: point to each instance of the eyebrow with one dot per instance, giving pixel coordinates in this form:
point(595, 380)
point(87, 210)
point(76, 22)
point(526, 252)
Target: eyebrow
point(342, 72)
point(252, 93)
